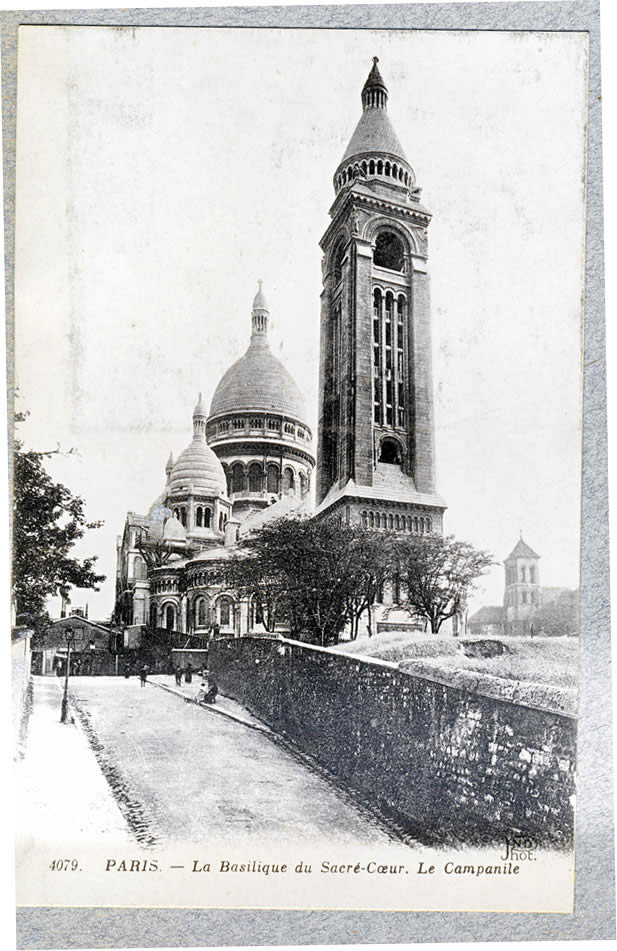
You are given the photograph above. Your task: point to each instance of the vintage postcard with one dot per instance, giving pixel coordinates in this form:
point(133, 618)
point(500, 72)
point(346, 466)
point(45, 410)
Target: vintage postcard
point(297, 467)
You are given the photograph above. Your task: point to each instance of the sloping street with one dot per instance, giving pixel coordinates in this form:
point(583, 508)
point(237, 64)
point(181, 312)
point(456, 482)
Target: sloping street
point(179, 772)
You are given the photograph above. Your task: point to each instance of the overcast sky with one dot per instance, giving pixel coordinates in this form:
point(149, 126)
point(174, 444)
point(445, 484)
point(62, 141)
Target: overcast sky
point(162, 172)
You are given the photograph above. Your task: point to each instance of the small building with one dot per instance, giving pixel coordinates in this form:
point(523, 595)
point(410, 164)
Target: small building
point(92, 645)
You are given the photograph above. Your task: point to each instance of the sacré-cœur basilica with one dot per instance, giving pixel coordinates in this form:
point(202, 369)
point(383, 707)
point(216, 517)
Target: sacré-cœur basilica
point(251, 457)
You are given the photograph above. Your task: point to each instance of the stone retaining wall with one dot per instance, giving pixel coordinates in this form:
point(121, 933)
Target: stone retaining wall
point(445, 762)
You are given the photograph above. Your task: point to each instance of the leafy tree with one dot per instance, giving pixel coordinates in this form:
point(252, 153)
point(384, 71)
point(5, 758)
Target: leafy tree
point(254, 576)
point(437, 574)
point(372, 556)
point(303, 571)
point(47, 522)
point(559, 616)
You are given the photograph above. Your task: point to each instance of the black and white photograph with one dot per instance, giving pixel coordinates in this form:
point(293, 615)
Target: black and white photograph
point(298, 379)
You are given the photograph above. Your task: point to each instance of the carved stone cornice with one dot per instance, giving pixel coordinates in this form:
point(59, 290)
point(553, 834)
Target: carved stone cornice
point(417, 215)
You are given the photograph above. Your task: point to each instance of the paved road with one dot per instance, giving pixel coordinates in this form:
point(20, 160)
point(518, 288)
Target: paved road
point(180, 772)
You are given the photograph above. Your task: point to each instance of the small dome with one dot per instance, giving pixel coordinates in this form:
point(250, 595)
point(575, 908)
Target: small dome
point(199, 468)
point(174, 531)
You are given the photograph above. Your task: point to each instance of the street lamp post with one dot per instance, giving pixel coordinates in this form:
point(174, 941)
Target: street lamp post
point(70, 639)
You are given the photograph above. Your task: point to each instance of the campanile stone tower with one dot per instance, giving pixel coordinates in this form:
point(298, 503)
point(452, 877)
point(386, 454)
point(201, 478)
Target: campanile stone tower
point(376, 455)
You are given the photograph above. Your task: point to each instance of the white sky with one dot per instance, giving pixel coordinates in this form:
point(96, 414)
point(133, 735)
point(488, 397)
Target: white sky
point(161, 172)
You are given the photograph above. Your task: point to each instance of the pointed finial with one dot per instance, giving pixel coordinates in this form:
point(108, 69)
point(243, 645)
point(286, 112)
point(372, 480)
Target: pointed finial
point(260, 313)
point(521, 533)
point(375, 91)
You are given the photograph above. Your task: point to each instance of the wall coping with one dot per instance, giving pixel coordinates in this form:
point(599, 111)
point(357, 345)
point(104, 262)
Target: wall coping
point(485, 686)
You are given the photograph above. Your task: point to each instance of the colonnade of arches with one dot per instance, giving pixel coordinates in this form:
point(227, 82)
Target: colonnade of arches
point(204, 613)
point(415, 524)
point(373, 167)
point(256, 478)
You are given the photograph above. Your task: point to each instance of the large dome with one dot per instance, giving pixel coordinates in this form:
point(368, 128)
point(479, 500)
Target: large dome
point(258, 380)
point(198, 467)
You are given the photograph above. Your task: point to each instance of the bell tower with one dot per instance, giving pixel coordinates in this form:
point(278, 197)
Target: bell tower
point(376, 456)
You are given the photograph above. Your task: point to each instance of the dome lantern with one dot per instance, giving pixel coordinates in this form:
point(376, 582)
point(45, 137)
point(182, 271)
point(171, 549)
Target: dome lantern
point(375, 91)
point(199, 419)
point(260, 314)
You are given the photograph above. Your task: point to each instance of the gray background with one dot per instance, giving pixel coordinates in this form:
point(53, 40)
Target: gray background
point(594, 915)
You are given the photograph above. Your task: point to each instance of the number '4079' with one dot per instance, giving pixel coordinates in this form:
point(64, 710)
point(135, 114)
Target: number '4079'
point(64, 865)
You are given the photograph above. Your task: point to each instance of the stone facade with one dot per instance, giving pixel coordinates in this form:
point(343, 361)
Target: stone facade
point(376, 455)
point(446, 763)
point(250, 460)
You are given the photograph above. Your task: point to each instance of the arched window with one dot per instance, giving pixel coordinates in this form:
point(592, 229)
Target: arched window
point(170, 617)
point(390, 522)
point(153, 617)
point(389, 251)
point(377, 520)
point(390, 452)
point(183, 515)
point(237, 473)
point(429, 525)
point(288, 480)
point(255, 477)
point(371, 520)
point(380, 167)
point(395, 171)
point(339, 254)
point(226, 613)
point(371, 167)
point(397, 522)
point(364, 520)
point(273, 478)
point(201, 613)
point(523, 573)
point(387, 168)
point(199, 516)
point(139, 569)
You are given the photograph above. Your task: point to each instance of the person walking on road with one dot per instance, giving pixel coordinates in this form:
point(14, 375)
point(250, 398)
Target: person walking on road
point(143, 673)
point(178, 673)
point(188, 676)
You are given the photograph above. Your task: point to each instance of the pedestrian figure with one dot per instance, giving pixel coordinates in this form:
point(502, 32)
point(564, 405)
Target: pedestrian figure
point(143, 673)
point(188, 676)
point(127, 671)
point(207, 692)
point(178, 673)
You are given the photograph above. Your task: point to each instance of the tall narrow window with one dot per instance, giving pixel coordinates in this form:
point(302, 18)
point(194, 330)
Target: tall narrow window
point(238, 477)
point(207, 518)
point(273, 478)
point(377, 369)
point(288, 480)
point(255, 477)
point(199, 517)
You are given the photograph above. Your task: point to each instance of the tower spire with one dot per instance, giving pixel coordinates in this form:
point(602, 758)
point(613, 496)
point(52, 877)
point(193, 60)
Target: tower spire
point(199, 418)
point(375, 91)
point(260, 314)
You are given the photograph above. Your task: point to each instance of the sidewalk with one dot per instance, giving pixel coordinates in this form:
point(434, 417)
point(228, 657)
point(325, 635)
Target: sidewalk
point(61, 793)
point(223, 706)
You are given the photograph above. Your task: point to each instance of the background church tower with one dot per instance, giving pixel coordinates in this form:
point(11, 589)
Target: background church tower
point(522, 595)
point(376, 456)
